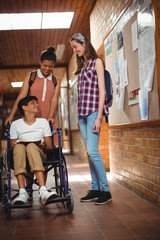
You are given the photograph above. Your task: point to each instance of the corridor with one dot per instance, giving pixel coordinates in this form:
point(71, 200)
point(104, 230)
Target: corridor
point(126, 217)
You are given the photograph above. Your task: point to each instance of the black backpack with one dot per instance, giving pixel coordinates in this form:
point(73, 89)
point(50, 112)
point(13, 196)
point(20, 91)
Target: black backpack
point(109, 87)
point(32, 77)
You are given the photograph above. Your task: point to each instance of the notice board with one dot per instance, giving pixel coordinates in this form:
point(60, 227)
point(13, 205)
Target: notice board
point(131, 60)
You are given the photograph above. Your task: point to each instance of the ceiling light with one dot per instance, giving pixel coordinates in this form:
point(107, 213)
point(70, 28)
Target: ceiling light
point(20, 21)
point(5, 22)
point(26, 20)
point(16, 84)
point(57, 20)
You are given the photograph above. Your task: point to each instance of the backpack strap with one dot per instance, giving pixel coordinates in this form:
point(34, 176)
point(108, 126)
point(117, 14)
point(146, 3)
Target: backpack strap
point(54, 80)
point(32, 77)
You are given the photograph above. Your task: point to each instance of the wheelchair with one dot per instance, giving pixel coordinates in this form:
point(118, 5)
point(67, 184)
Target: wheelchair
point(55, 162)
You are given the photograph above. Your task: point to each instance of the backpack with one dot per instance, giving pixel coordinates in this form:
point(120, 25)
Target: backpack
point(109, 87)
point(32, 77)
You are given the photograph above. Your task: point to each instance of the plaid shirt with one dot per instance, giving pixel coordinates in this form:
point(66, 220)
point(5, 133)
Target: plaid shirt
point(88, 91)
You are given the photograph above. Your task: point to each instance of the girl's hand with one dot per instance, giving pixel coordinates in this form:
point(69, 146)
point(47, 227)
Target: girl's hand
point(8, 120)
point(97, 125)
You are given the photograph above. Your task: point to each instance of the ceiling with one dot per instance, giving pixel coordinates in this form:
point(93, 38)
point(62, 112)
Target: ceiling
point(20, 49)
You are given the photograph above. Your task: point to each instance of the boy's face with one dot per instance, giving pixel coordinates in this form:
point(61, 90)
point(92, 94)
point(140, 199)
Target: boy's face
point(32, 106)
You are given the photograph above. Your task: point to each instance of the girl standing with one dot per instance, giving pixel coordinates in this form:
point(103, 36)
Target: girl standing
point(43, 88)
point(91, 105)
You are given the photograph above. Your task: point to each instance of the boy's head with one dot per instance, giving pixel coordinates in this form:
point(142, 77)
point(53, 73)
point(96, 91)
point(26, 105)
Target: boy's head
point(24, 102)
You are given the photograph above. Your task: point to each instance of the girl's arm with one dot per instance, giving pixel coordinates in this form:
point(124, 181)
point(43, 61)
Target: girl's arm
point(99, 67)
point(54, 104)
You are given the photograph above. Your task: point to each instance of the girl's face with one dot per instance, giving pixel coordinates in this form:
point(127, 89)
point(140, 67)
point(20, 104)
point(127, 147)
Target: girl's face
point(78, 48)
point(47, 67)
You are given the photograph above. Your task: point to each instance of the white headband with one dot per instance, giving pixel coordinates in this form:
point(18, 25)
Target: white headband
point(78, 36)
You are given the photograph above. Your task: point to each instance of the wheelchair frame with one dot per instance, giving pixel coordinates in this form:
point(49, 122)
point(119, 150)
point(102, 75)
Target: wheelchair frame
point(57, 163)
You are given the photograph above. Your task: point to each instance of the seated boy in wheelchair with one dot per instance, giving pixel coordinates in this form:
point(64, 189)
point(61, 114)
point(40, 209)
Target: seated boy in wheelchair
point(26, 136)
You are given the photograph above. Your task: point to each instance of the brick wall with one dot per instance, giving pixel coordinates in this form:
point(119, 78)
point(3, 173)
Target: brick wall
point(135, 159)
point(103, 144)
point(103, 17)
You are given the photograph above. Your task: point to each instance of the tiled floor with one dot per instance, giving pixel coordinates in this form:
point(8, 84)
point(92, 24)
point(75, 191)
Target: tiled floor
point(127, 217)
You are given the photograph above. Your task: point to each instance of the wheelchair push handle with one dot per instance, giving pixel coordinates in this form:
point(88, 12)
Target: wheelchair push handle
point(56, 130)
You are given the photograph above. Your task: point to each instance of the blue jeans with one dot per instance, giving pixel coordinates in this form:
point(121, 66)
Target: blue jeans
point(90, 139)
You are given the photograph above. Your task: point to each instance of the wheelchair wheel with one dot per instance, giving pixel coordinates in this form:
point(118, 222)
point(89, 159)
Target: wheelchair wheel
point(57, 179)
point(63, 178)
point(70, 202)
point(3, 178)
point(7, 208)
point(1, 192)
point(4, 184)
point(5, 202)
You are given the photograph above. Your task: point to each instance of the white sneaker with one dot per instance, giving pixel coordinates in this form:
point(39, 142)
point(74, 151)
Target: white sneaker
point(45, 195)
point(22, 198)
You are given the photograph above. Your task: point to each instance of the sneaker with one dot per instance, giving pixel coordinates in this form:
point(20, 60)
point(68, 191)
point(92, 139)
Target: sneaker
point(91, 196)
point(45, 195)
point(103, 198)
point(22, 198)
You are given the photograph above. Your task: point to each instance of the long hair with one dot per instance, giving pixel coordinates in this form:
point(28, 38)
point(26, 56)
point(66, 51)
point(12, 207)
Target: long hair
point(90, 52)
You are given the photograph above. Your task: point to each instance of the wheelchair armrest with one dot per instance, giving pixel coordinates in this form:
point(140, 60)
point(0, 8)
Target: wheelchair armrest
point(55, 131)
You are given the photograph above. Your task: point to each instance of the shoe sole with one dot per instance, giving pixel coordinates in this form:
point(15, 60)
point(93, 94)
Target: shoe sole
point(20, 202)
point(44, 202)
point(89, 200)
point(96, 203)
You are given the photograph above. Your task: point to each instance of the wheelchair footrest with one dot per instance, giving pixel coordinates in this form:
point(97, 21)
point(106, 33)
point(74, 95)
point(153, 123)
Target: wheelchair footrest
point(48, 163)
point(21, 206)
point(58, 199)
